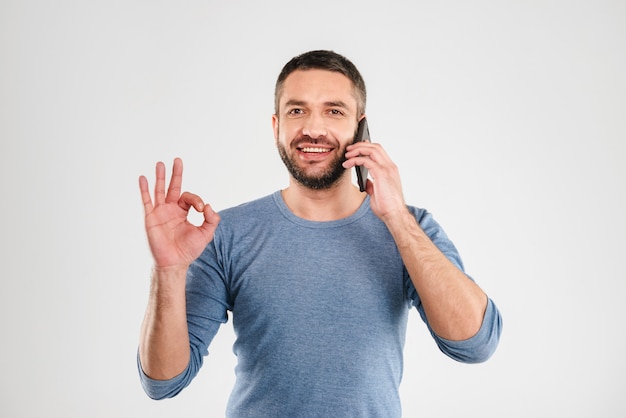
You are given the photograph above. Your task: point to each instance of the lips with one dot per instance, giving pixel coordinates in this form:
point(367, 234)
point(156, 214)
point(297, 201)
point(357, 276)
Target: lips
point(311, 146)
point(314, 150)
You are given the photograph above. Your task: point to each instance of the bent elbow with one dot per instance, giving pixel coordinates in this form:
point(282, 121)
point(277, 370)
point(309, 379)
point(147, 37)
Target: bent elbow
point(482, 345)
point(163, 389)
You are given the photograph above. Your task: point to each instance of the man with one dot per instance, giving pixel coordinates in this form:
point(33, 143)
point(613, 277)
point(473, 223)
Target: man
point(319, 277)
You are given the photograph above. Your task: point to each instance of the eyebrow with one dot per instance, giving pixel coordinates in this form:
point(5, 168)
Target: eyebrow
point(294, 102)
point(336, 104)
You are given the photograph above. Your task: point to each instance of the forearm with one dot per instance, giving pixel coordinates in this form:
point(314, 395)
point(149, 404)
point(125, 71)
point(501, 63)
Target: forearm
point(453, 303)
point(164, 340)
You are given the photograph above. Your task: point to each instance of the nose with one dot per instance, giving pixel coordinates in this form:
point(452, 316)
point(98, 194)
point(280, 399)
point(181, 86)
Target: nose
point(314, 127)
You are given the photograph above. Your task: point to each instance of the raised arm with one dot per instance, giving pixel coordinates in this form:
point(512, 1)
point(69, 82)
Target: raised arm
point(175, 243)
point(454, 305)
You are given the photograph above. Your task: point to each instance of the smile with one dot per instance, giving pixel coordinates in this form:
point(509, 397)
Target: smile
point(317, 150)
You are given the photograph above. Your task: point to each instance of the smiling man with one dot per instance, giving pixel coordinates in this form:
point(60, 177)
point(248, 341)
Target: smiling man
point(319, 276)
point(313, 124)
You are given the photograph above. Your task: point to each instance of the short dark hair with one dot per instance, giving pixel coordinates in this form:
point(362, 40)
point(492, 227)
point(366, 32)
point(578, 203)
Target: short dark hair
point(323, 60)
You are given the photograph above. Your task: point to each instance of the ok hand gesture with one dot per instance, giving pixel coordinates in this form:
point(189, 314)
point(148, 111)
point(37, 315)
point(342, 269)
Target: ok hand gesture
point(174, 241)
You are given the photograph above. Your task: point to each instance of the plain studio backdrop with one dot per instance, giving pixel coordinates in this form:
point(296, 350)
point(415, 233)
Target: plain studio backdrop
point(507, 120)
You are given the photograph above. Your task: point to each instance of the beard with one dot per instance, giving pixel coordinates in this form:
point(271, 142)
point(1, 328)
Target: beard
point(324, 180)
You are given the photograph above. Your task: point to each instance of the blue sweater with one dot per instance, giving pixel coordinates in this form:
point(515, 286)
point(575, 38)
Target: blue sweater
point(319, 310)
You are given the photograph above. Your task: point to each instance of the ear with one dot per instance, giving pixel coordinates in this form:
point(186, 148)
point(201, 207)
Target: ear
point(275, 126)
point(361, 117)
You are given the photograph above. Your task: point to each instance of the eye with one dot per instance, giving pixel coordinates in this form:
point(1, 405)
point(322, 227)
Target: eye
point(295, 111)
point(336, 112)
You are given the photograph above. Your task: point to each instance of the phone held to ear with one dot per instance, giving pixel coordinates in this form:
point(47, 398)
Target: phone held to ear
point(362, 134)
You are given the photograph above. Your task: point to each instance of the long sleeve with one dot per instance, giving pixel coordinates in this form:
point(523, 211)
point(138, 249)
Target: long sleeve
point(207, 306)
point(483, 344)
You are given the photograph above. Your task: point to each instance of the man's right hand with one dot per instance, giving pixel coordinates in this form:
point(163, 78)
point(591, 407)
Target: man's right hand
point(174, 241)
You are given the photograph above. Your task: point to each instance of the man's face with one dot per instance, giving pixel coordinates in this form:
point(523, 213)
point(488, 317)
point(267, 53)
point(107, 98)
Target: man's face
point(316, 121)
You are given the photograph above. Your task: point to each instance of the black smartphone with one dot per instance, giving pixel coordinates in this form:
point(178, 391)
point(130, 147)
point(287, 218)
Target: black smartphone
point(362, 134)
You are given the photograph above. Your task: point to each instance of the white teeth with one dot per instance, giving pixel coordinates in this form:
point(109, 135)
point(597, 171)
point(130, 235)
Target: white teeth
point(312, 149)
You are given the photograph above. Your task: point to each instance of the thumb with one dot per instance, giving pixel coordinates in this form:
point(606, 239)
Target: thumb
point(211, 220)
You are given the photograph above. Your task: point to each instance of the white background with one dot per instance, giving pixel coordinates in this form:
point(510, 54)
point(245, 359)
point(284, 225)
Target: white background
point(506, 118)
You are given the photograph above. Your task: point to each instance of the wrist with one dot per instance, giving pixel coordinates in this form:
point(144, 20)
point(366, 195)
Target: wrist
point(172, 270)
point(400, 219)
point(404, 227)
point(169, 277)
point(167, 288)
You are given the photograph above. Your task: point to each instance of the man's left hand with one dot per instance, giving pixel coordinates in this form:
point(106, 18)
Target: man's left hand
point(384, 187)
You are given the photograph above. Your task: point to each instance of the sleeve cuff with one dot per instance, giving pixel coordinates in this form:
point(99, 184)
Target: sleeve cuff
point(161, 389)
point(479, 347)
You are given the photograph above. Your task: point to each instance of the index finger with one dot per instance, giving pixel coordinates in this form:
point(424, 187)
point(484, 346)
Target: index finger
point(360, 149)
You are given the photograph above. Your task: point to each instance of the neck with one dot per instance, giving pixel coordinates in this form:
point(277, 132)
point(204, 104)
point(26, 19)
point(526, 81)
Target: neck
point(337, 202)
